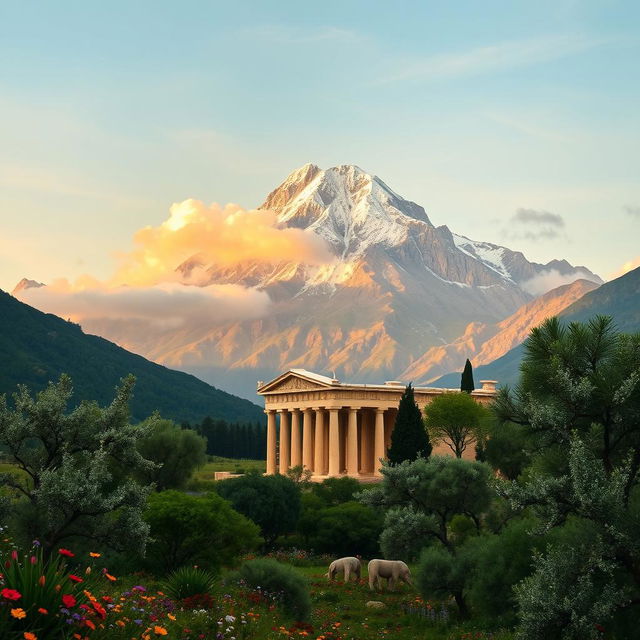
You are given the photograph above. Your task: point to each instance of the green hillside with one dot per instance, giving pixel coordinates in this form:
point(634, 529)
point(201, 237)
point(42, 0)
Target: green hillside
point(36, 347)
point(619, 298)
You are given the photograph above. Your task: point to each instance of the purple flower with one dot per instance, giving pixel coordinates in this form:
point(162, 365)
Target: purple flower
point(138, 621)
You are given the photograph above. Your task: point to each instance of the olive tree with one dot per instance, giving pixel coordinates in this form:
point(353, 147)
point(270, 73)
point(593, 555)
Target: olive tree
point(76, 468)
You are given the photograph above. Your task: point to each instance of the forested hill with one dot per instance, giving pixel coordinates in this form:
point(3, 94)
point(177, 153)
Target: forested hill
point(619, 298)
point(36, 347)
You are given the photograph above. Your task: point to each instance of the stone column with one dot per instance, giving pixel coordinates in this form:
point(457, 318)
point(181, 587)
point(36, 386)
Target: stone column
point(319, 468)
point(307, 441)
point(334, 442)
point(378, 446)
point(271, 441)
point(296, 443)
point(285, 440)
point(352, 442)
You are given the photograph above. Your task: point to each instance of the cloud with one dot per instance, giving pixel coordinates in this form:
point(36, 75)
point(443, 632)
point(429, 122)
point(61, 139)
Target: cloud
point(161, 306)
point(551, 278)
point(223, 236)
point(629, 265)
point(502, 56)
point(632, 210)
point(534, 225)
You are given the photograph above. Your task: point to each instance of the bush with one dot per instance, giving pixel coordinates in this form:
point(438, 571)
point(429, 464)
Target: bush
point(187, 582)
point(334, 491)
point(280, 581)
point(272, 502)
point(196, 530)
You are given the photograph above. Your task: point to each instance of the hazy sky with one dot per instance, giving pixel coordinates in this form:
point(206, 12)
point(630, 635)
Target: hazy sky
point(512, 122)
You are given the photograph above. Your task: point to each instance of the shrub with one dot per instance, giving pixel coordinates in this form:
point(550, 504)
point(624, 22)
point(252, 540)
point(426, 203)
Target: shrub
point(280, 581)
point(188, 582)
point(196, 530)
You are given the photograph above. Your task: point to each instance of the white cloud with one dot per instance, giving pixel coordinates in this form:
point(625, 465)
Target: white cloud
point(551, 279)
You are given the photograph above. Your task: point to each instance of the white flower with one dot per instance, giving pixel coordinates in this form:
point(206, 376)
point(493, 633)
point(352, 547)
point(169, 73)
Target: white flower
point(229, 618)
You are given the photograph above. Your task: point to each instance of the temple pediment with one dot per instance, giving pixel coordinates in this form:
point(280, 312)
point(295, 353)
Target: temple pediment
point(297, 380)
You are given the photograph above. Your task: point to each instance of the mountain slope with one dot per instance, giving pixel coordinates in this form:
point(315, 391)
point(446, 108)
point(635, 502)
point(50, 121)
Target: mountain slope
point(619, 298)
point(484, 343)
point(36, 348)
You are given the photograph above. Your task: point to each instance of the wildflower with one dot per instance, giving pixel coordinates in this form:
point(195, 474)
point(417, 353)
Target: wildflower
point(66, 552)
point(41, 581)
point(75, 578)
point(171, 616)
point(30, 636)
point(14, 555)
point(94, 555)
point(68, 600)
point(108, 576)
point(18, 613)
point(33, 559)
point(90, 624)
point(159, 631)
point(11, 594)
point(43, 611)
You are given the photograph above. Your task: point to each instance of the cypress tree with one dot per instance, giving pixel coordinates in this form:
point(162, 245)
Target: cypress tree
point(466, 383)
point(409, 438)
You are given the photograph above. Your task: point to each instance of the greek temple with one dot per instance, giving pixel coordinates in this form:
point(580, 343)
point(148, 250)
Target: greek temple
point(333, 428)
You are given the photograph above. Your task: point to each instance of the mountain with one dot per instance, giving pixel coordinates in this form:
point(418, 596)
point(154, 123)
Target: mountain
point(619, 298)
point(483, 343)
point(397, 287)
point(36, 347)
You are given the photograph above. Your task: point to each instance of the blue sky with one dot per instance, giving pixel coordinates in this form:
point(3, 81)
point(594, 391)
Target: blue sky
point(110, 112)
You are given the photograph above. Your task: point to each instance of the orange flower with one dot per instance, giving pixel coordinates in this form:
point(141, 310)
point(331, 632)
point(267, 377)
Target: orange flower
point(30, 636)
point(90, 624)
point(120, 623)
point(159, 631)
point(18, 613)
point(43, 611)
point(171, 616)
point(108, 576)
point(94, 555)
point(41, 581)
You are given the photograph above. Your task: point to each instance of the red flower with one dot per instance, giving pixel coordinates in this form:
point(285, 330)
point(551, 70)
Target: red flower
point(75, 578)
point(11, 594)
point(68, 600)
point(66, 552)
point(99, 609)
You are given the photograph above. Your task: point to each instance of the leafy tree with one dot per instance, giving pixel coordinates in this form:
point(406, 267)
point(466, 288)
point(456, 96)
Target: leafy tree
point(455, 419)
point(423, 498)
point(334, 491)
point(77, 468)
point(409, 438)
point(272, 502)
point(300, 475)
point(506, 449)
point(177, 453)
point(192, 529)
point(579, 401)
point(466, 381)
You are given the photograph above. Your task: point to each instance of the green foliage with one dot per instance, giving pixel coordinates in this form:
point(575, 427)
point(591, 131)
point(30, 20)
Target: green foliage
point(506, 448)
point(579, 400)
point(272, 502)
point(234, 440)
point(280, 581)
point(334, 491)
point(77, 468)
point(41, 347)
point(455, 419)
point(466, 381)
point(196, 530)
point(177, 453)
point(347, 529)
point(409, 440)
point(186, 582)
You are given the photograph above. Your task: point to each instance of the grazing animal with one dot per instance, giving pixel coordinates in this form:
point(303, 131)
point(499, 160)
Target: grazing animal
point(347, 565)
point(391, 570)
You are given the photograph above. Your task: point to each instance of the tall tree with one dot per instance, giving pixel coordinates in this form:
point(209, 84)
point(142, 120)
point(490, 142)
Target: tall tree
point(466, 382)
point(579, 401)
point(455, 419)
point(409, 438)
point(78, 468)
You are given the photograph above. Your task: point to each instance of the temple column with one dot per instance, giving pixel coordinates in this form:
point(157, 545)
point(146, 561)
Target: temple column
point(285, 441)
point(352, 442)
point(296, 443)
point(307, 439)
point(334, 442)
point(378, 445)
point(366, 442)
point(271, 441)
point(318, 459)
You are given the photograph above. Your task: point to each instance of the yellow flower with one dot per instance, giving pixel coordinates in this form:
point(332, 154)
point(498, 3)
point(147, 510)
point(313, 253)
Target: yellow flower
point(19, 613)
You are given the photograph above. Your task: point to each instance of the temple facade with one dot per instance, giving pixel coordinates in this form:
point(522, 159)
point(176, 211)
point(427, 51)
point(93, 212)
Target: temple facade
point(335, 429)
